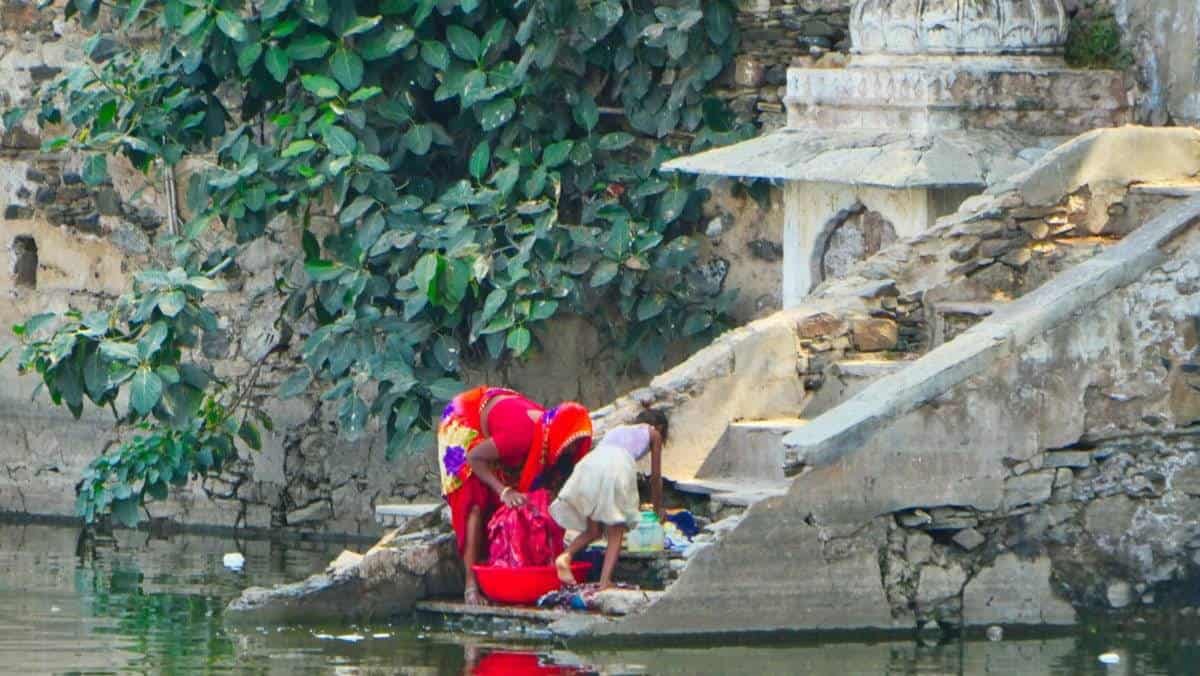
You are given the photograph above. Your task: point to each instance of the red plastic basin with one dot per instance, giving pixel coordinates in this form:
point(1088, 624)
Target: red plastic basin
point(523, 586)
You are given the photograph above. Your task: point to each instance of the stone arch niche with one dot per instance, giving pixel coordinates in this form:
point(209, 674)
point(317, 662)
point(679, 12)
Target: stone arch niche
point(25, 261)
point(850, 236)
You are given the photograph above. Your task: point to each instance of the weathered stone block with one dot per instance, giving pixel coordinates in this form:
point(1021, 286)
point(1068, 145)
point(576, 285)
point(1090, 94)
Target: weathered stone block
point(969, 539)
point(875, 335)
point(1067, 459)
point(1030, 489)
point(1012, 591)
point(820, 325)
point(1186, 480)
point(309, 514)
point(937, 585)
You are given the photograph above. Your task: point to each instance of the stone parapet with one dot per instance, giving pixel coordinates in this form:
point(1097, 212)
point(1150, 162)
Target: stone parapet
point(956, 94)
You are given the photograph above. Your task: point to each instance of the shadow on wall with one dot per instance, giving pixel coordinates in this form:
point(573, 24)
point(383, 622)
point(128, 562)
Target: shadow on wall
point(25, 261)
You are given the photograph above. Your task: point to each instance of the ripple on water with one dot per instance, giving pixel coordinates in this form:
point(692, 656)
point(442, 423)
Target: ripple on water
point(133, 603)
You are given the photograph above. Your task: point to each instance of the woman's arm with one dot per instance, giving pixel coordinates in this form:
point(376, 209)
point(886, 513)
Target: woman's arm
point(656, 484)
point(481, 458)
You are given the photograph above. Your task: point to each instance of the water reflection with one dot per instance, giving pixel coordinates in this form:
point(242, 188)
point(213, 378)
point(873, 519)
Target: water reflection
point(136, 603)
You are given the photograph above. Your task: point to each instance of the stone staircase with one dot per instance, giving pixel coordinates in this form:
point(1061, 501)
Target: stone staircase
point(756, 459)
point(749, 462)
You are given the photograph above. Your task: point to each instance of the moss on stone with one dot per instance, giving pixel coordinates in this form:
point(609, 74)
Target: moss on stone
point(1095, 42)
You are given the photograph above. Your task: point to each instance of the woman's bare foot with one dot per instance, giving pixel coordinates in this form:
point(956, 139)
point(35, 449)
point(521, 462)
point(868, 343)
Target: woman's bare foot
point(473, 597)
point(563, 565)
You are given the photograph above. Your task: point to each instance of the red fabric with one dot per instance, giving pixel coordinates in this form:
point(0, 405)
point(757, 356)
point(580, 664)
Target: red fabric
point(506, 663)
point(472, 493)
point(525, 536)
point(557, 430)
point(512, 429)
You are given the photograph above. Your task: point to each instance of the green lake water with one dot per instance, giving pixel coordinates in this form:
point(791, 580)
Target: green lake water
point(134, 603)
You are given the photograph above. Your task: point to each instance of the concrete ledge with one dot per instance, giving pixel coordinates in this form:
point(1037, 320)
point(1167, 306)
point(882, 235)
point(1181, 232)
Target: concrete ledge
point(400, 515)
point(847, 426)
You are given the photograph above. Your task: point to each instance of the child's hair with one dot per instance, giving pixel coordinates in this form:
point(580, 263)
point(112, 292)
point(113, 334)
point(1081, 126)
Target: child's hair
point(656, 419)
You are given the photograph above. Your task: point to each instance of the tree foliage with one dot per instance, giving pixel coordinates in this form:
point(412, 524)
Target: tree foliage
point(463, 171)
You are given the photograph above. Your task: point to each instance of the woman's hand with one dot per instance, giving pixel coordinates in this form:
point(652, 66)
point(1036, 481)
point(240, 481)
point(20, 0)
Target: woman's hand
point(512, 498)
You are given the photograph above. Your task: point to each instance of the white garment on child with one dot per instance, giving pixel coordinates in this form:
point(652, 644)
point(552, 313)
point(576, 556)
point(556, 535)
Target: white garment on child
point(603, 486)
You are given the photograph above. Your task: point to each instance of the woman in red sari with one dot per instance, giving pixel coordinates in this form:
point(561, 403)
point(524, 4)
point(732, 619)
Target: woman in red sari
point(495, 445)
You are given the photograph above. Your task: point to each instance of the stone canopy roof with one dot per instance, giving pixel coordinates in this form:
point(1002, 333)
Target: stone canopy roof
point(958, 26)
point(941, 159)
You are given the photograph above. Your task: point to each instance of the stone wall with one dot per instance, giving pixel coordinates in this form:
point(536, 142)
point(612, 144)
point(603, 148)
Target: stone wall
point(69, 246)
point(1047, 467)
point(1163, 36)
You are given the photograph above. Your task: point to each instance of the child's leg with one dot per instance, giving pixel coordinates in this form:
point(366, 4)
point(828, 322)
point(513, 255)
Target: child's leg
point(615, 533)
point(581, 541)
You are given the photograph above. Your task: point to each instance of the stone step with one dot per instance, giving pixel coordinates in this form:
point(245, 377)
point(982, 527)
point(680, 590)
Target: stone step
point(951, 318)
point(455, 608)
point(401, 515)
point(737, 493)
point(845, 378)
point(750, 449)
point(1183, 188)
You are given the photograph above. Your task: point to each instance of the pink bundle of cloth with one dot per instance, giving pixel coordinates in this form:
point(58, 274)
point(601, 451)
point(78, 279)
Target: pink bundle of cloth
point(525, 536)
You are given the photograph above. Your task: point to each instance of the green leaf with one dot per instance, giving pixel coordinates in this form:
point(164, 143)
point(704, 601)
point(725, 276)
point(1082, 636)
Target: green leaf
point(95, 170)
point(347, 67)
point(386, 43)
point(464, 43)
point(556, 154)
point(496, 113)
point(419, 138)
point(232, 26)
point(150, 342)
point(355, 210)
point(205, 284)
point(297, 148)
point(115, 351)
point(719, 22)
point(435, 54)
point(481, 158)
point(361, 24)
point(605, 272)
point(494, 302)
point(310, 46)
point(543, 309)
point(445, 389)
point(519, 340)
point(277, 63)
point(586, 113)
point(248, 56)
point(672, 204)
point(373, 162)
point(340, 141)
point(145, 391)
point(617, 140)
point(323, 271)
point(172, 303)
point(651, 306)
point(320, 86)
point(697, 323)
point(365, 94)
point(248, 433)
point(126, 512)
point(425, 274)
point(315, 11)
point(506, 179)
point(273, 8)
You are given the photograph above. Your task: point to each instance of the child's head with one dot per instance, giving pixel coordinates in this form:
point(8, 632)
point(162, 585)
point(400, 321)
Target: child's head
point(656, 419)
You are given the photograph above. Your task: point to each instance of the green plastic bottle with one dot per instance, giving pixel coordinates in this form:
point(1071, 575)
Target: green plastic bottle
point(648, 536)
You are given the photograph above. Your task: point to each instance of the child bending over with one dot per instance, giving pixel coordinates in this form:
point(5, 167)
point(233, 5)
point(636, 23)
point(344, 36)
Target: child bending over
point(601, 496)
